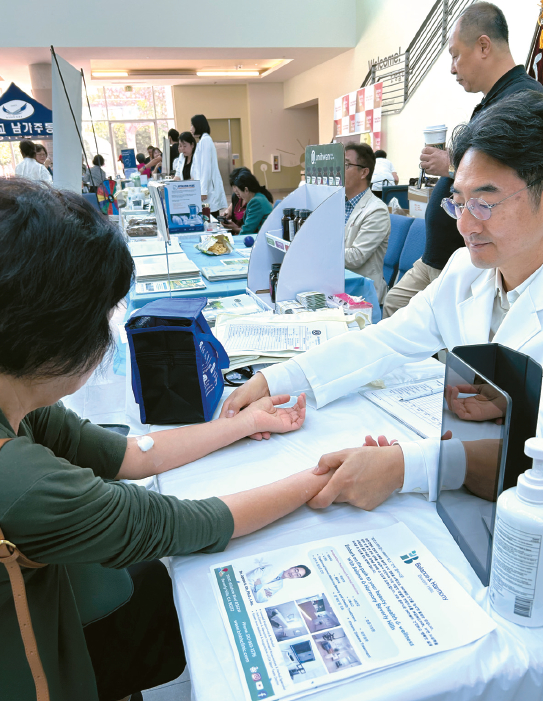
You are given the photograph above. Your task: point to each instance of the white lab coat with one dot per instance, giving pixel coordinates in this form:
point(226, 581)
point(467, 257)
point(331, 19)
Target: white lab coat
point(31, 169)
point(454, 310)
point(205, 168)
point(268, 578)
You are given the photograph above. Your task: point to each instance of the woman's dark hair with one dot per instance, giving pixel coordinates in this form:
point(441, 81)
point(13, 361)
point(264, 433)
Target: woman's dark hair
point(157, 149)
point(246, 179)
point(510, 132)
point(64, 267)
point(140, 158)
point(188, 138)
point(380, 154)
point(200, 124)
point(27, 148)
point(98, 160)
point(40, 148)
point(306, 569)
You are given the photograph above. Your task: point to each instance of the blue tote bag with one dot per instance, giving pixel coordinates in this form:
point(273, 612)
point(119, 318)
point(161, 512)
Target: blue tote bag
point(176, 362)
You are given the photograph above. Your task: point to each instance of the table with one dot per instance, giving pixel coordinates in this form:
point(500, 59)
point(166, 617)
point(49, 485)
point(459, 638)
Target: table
point(506, 665)
point(354, 284)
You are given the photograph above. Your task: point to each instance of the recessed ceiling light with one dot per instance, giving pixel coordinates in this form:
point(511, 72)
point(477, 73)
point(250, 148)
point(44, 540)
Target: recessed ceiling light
point(110, 74)
point(228, 74)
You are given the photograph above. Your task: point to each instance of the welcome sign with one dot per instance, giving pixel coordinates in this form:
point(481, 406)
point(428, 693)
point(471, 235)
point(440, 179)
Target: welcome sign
point(359, 112)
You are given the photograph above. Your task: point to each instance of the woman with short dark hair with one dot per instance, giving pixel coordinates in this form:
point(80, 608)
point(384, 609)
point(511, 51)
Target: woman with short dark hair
point(257, 199)
point(43, 157)
point(96, 174)
point(29, 166)
point(206, 166)
point(101, 603)
point(187, 146)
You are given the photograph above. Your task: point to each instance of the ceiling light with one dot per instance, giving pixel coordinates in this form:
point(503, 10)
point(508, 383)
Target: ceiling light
point(110, 74)
point(228, 74)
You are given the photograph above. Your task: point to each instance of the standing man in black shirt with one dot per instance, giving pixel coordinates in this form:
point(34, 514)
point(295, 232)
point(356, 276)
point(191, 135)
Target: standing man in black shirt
point(481, 62)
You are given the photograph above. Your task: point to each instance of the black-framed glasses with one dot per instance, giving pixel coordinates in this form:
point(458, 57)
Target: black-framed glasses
point(476, 206)
point(353, 165)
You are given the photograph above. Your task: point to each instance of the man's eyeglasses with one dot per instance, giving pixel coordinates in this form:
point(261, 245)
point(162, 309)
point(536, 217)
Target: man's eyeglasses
point(476, 206)
point(353, 165)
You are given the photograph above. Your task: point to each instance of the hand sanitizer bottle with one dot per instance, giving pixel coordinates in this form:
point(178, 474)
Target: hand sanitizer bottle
point(516, 582)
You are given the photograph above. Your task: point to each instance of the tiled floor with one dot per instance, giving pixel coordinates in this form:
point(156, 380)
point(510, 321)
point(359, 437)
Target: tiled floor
point(178, 690)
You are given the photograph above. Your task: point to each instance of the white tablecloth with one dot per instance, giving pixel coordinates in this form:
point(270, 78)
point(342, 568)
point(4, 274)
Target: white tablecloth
point(505, 665)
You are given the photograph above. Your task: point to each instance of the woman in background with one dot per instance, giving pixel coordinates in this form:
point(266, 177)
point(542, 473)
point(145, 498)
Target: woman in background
point(96, 174)
point(206, 166)
point(157, 159)
point(29, 167)
point(43, 157)
point(187, 146)
point(257, 199)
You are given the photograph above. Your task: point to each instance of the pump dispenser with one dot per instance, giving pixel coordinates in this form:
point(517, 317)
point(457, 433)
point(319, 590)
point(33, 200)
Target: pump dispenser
point(516, 585)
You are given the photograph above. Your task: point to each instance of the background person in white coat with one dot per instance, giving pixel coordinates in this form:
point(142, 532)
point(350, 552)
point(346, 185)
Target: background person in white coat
point(367, 221)
point(29, 167)
point(206, 166)
point(489, 291)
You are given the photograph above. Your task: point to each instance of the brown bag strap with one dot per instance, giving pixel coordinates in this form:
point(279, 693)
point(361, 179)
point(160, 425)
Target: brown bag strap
point(12, 559)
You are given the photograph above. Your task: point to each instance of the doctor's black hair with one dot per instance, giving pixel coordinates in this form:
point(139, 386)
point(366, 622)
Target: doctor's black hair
point(64, 267)
point(187, 138)
point(200, 124)
point(305, 568)
point(510, 132)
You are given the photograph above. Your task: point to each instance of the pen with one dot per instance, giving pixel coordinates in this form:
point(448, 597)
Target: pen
point(420, 396)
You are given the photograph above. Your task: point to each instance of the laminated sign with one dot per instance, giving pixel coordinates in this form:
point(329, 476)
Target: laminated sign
point(183, 206)
point(176, 362)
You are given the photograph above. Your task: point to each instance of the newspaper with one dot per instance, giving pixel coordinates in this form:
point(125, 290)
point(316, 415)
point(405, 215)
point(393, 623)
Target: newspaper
point(319, 614)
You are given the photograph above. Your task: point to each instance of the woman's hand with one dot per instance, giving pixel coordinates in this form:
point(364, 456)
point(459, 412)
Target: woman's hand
point(267, 417)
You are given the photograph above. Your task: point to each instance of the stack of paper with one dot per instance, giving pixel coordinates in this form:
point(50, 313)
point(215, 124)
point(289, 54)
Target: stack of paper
point(273, 338)
point(231, 272)
point(154, 267)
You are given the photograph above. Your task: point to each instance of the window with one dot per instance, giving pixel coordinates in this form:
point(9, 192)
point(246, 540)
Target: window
point(125, 116)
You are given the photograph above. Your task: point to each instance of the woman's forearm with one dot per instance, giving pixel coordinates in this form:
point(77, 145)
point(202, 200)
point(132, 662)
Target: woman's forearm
point(180, 446)
point(258, 507)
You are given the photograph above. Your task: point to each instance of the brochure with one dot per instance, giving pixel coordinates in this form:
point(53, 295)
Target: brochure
point(319, 614)
point(173, 285)
point(232, 272)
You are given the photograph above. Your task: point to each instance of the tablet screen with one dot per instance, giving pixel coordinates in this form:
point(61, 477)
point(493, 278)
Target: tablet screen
point(475, 429)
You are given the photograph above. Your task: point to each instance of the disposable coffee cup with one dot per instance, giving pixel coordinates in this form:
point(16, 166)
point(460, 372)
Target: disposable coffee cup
point(436, 136)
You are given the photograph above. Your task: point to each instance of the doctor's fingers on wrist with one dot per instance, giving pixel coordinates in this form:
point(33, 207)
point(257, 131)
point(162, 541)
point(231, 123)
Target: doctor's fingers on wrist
point(331, 461)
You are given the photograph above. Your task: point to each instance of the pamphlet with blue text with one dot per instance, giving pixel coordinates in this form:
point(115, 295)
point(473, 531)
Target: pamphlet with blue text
point(319, 614)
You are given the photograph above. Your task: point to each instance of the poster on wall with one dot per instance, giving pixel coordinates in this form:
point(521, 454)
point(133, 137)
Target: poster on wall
point(359, 112)
point(325, 164)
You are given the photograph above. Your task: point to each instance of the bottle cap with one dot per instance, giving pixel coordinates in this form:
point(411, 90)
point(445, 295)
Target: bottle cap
point(530, 484)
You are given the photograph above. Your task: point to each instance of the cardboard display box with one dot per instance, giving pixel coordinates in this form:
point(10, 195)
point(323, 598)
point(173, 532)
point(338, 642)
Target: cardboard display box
point(418, 200)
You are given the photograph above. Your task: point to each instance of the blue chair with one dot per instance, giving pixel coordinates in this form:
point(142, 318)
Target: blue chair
point(276, 203)
point(92, 199)
point(399, 227)
point(413, 247)
point(399, 191)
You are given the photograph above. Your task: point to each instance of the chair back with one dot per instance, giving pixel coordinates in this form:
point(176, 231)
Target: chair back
point(399, 227)
point(399, 191)
point(413, 247)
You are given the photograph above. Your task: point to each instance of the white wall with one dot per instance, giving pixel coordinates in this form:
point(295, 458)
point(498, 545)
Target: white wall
point(171, 23)
point(384, 26)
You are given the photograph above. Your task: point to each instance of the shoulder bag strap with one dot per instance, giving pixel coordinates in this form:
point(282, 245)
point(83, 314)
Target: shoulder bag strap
point(12, 559)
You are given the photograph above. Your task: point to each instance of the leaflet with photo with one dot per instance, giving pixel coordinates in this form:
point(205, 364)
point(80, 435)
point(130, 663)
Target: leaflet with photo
point(318, 614)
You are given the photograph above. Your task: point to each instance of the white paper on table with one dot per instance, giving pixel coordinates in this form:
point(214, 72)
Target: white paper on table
point(284, 337)
point(418, 406)
point(373, 600)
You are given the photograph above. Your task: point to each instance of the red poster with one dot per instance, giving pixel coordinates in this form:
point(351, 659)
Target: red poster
point(351, 124)
point(369, 121)
point(378, 95)
point(337, 122)
point(376, 140)
point(360, 100)
point(345, 105)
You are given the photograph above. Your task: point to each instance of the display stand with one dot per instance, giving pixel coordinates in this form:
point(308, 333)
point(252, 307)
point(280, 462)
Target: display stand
point(315, 260)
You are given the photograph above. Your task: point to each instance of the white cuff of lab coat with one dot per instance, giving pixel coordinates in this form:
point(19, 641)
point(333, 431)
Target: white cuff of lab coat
point(288, 378)
point(421, 466)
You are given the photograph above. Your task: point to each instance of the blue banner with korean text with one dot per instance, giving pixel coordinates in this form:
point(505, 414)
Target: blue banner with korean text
point(22, 117)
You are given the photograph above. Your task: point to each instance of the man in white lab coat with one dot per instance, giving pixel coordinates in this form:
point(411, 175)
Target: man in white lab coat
point(491, 291)
point(266, 581)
